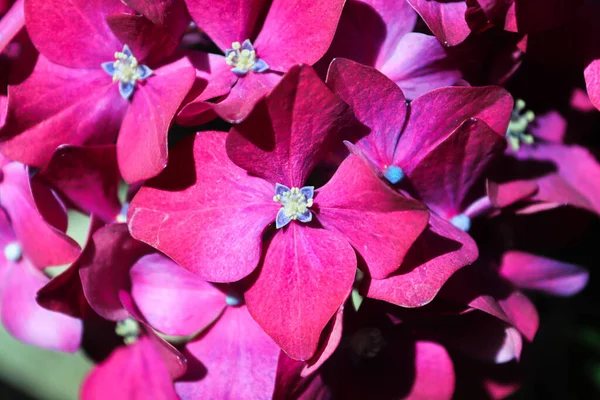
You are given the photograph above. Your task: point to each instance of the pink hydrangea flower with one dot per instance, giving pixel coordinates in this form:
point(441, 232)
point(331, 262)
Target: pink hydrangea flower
point(230, 203)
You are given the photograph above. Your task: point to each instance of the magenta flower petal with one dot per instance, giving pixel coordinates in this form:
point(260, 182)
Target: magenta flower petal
point(359, 205)
point(334, 337)
point(25, 319)
point(88, 177)
point(446, 19)
point(242, 97)
point(297, 32)
point(57, 105)
point(377, 103)
point(418, 65)
point(64, 293)
point(529, 271)
point(205, 192)
point(142, 141)
point(283, 139)
point(434, 372)
point(235, 360)
point(492, 104)
point(444, 174)
point(507, 193)
point(136, 371)
point(300, 260)
point(436, 255)
point(228, 21)
point(170, 13)
point(104, 269)
point(592, 80)
point(73, 33)
point(42, 243)
point(173, 300)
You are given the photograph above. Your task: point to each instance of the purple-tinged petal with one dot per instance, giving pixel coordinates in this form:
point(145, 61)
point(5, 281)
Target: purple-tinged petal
point(64, 293)
point(57, 105)
point(434, 372)
point(446, 19)
point(508, 193)
point(172, 14)
point(229, 21)
point(172, 299)
point(73, 33)
point(104, 269)
point(234, 359)
point(243, 97)
point(88, 177)
point(529, 271)
point(142, 141)
point(26, 320)
point(418, 65)
point(135, 372)
point(376, 102)
point(437, 114)
point(380, 224)
point(290, 131)
point(11, 23)
point(203, 191)
point(301, 262)
point(297, 32)
point(444, 175)
point(44, 244)
point(436, 255)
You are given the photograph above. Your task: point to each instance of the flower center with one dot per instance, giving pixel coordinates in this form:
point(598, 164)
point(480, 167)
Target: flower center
point(295, 204)
point(128, 329)
point(519, 121)
point(126, 70)
point(242, 57)
point(13, 251)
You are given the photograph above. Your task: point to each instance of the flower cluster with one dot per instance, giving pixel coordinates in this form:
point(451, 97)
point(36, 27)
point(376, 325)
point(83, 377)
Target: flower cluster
point(322, 201)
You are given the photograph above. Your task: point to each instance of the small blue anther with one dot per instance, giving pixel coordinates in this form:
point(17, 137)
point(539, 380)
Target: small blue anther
point(462, 222)
point(233, 299)
point(394, 174)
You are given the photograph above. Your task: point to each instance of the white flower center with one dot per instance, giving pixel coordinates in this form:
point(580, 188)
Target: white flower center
point(242, 57)
point(295, 204)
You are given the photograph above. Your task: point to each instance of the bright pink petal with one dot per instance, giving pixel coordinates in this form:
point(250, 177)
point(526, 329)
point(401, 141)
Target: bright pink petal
point(376, 102)
point(228, 21)
point(446, 19)
point(284, 138)
point(505, 194)
point(237, 360)
point(74, 33)
point(42, 243)
point(437, 114)
point(135, 372)
point(142, 142)
point(172, 299)
point(592, 80)
point(529, 271)
point(445, 174)
point(379, 223)
point(301, 260)
point(88, 177)
point(203, 192)
point(436, 255)
point(26, 320)
point(244, 95)
point(104, 269)
point(419, 64)
point(57, 105)
point(434, 373)
point(172, 14)
point(297, 32)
